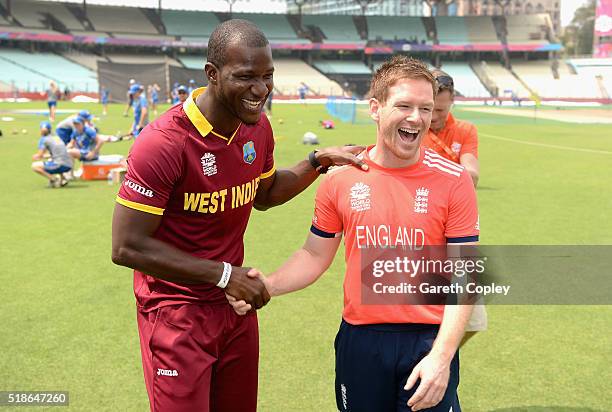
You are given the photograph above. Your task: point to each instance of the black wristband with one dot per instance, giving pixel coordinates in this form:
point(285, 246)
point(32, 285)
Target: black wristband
point(312, 158)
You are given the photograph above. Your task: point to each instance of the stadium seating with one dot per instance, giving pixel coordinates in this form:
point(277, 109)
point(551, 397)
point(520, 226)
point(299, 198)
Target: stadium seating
point(481, 29)
point(275, 26)
point(452, 30)
point(26, 14)
point(193, 62)
point(89, 33)
point(21, 77)
point(141, 58)
point(84, 59)
point(142, 36)
point(18, 29)
point(505, 81)
point(190, 23)
point(466, 81)
point(53, 67)
point(337, 29)
point(289, 73)
point(538, 75)
point(119, 19)
point(528, 29)
point(395, 28)
point(342, 67)
point(60, 12)
point(597, 68)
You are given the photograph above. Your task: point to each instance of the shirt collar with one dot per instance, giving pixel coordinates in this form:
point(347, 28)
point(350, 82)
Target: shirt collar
point(195, 115)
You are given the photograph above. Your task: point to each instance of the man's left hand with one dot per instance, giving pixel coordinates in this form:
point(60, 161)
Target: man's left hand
point(340, 156)
point(434, 373)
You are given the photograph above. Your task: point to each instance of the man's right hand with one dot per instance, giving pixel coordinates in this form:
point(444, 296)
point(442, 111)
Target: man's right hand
point(246, 285)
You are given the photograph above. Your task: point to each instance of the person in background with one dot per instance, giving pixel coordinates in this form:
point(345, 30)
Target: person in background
point(53, 94)
point(104, 97)
point(269, 104)
point(182, 94)
point(65, 128)
point(457, 141)
point(141, 111)
point(60, 161)
point(453, 139)
point(192, 86)
point(84, 143)
point(130, 98)
point(174, 94)
point(154, 94)
point(302, 92)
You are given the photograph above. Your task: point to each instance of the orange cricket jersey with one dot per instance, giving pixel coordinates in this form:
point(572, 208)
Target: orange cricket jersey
point(432, 202)
point(459, 136)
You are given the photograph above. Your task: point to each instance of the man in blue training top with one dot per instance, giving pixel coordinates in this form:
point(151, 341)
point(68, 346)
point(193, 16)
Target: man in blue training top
point(141, 111)
point(182, 94)
point(65, 128)
point(60, 161)
point(84, 143)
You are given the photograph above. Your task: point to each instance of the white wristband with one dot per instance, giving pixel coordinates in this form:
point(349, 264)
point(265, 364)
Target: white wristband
point(225, 277)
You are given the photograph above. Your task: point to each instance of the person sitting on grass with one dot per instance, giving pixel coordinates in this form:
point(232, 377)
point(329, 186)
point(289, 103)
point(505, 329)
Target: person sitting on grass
point(60, 161)
point(84, 142)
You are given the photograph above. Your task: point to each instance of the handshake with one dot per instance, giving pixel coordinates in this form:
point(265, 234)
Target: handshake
point(247, 289)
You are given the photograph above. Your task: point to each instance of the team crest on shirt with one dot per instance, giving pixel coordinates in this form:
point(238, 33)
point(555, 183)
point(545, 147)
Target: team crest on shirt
point(248, 152)
point(421, 200)
point(209, 164)
point(360, 197)
point(456, 147)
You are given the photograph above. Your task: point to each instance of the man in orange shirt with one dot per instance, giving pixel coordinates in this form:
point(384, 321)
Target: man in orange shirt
point(453, 139)
point(390, 355)
point(457, 141)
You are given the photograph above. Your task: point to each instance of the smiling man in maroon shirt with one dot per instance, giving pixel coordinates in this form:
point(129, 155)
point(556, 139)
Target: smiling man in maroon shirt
point(193, 177)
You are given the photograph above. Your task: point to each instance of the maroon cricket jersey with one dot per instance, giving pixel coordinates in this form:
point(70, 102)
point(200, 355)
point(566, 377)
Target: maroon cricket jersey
point(203, 185)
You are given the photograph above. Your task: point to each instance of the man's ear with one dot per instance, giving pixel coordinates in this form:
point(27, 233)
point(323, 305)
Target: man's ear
point(212, 72)
point(375, 107)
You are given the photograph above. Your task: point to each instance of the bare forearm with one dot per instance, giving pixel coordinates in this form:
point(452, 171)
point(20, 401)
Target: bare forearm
point(299, 271)
point(163, 261)
point(474, 175)
point(287, 184)
point(451, 330)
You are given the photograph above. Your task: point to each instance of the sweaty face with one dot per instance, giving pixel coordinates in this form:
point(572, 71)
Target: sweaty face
point(404, 118)
point(442, 106)
point(245, 80)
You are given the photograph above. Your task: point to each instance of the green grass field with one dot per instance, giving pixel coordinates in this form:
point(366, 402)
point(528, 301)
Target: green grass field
point(68, 314)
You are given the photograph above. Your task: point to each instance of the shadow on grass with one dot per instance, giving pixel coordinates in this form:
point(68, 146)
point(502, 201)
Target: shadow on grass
point(73, 186)
point(486, 188)
point(545, 409)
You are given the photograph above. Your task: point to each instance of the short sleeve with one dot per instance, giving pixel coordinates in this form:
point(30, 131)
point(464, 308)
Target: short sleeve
point(41, 144)
point(470, 143)
point(326, 221)
point(91, 132)
point(462, 223)
point(269, 167)
point(154, 167)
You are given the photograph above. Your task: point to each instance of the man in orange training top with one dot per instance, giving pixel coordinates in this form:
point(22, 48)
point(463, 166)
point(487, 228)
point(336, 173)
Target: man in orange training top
point(456, 140)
